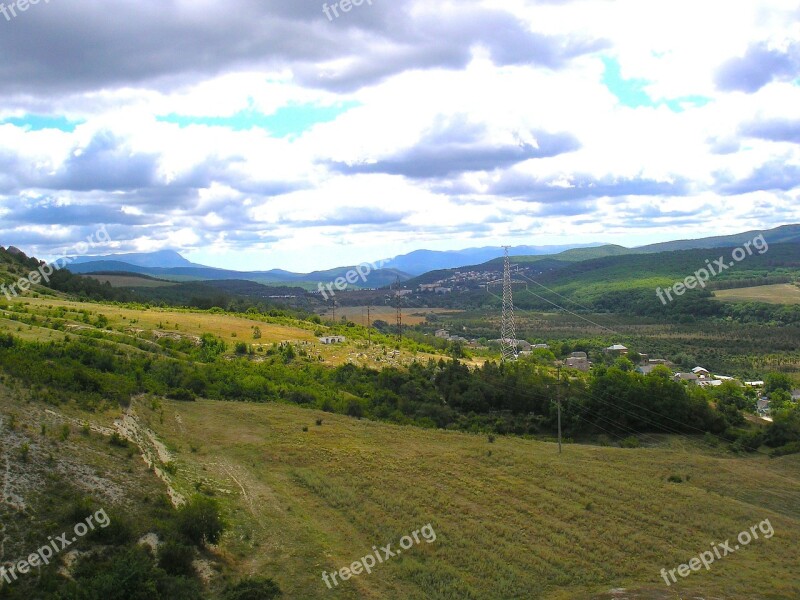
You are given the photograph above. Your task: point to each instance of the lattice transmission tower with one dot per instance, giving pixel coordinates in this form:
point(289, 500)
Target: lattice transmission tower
point(508, 330)
point(398, 310)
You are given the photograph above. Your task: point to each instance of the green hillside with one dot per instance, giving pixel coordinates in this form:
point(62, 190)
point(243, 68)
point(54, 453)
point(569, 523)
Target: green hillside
point(298, 458)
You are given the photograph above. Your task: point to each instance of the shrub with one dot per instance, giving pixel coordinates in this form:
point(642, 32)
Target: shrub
point(630, 442)
point(200, 521)
point(257, 588)
point(182, 395)
point(176, 559)
point(118, 532)
point(118, 441)
point(675, 479)
point(793, 448)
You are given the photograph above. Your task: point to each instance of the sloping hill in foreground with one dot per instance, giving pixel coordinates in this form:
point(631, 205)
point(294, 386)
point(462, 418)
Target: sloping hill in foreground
point(512, 518)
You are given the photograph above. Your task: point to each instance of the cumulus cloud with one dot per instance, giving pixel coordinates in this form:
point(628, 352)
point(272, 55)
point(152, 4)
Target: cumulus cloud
point(395, 126)
point(759, 66)
point(452, 147)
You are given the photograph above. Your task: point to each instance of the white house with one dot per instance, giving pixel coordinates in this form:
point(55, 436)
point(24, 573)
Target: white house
point(616, 349)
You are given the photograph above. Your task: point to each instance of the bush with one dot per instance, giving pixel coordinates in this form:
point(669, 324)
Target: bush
point(675, 479)
point(118, 440)
point(630, 442)
point(176, 559)
point(748, 441)
point(118, 532)
point(257, 588)
point(200, 521)
point(181, 394)
point(127, 575)
point(793, 448)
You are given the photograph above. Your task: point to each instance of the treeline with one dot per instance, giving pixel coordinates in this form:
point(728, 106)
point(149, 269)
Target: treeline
point(513, 398)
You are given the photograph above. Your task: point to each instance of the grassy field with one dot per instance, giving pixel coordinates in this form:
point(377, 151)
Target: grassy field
point(512, 518)
point(773, 294)
point(131, 281)
point(411, 316)
point(132, 323)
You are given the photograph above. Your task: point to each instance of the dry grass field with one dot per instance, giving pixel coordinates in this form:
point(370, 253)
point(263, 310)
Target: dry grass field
point(129, 281)
point(411, 316)
point(784, 293)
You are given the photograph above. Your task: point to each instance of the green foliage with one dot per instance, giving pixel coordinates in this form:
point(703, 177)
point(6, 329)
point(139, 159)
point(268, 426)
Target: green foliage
point(181, 394)
point(200, 521)
point(128, 574)
point(257, 588)
point(176, 558)
point(777, 381)
point(784, 429)
point(118, 441)
point(630, 442)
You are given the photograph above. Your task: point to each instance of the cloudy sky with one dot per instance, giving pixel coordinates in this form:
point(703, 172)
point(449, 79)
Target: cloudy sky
point(256, 134)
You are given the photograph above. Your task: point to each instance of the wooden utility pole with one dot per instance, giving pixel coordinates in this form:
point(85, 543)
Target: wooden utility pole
point(558, 399)
point(369, 327)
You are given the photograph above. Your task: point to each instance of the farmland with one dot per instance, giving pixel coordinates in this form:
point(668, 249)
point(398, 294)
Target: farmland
point(772, 294)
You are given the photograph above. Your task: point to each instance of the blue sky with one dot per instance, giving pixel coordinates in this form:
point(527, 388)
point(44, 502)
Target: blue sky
point(286, 121)
point(272, 137)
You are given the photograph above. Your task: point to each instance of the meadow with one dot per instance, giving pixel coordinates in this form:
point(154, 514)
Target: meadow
point(772, 294)
point(311, 491)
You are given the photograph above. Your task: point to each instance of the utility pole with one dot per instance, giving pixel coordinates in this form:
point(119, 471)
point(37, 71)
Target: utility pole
point(558, 399)
point(334, 311)
point(369, 327)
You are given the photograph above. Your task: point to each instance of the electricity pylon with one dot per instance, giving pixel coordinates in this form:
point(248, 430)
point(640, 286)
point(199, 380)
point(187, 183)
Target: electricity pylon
point(399, 310)
point(508, 330)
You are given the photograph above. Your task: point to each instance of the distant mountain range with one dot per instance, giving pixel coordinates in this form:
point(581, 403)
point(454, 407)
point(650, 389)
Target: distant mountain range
point(168, 264)
point(422, 261)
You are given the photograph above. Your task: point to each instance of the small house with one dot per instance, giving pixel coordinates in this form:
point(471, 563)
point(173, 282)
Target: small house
point(617, 349)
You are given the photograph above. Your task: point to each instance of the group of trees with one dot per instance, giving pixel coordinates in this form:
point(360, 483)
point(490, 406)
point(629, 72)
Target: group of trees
point(512, 397)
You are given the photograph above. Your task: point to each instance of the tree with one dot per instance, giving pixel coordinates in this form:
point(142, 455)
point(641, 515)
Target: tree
point(780, 399)
point(777, 381)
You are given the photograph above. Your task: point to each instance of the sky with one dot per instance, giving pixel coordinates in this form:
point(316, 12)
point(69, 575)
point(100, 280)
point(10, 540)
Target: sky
point(295, 134)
